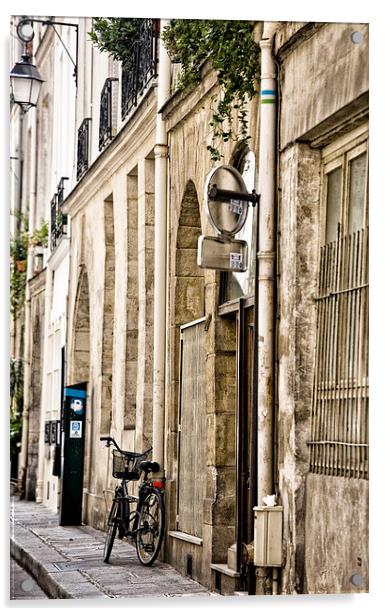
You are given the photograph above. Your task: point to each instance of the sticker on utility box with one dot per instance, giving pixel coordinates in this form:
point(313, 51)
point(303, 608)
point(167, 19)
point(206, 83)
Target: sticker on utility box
point(75, 429)
point(236, 260)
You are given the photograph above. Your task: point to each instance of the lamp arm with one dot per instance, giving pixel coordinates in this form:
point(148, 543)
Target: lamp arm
point(49, 22)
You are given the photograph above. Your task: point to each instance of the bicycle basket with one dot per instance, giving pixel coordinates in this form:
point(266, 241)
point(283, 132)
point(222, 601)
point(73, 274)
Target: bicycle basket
point(126, 465)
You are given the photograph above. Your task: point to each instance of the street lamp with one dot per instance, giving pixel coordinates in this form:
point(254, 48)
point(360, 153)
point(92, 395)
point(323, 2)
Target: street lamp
point(26, 80)
point(25, 83)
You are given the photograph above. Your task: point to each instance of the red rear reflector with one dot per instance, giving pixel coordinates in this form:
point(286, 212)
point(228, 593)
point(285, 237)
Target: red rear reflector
point(158, 484)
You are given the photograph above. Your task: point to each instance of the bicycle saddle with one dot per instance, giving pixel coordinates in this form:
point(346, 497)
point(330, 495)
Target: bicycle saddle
point(148, 466)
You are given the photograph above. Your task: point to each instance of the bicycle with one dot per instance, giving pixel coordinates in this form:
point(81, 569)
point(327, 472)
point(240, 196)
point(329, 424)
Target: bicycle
point(141, 517)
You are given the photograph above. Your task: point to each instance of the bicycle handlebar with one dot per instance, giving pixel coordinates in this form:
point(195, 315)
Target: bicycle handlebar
point(110, 440)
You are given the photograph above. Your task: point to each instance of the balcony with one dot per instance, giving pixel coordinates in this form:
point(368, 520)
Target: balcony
point(83, 151)
point(140, 66)
point(58, 219)
point(107, 122)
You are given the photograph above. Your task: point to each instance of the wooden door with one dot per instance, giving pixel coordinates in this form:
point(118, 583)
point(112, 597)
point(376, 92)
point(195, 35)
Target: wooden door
point(192, 429)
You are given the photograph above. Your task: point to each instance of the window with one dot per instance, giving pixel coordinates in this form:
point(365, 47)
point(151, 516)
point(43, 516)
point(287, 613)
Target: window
point(339, 438)
point(345, 187)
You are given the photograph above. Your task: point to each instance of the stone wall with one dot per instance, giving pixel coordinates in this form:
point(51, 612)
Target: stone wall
point(112, 228)
point(37, 289)
point(323, 81)
point(188, 120)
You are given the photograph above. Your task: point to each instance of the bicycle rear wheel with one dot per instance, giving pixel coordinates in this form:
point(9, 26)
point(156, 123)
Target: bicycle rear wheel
point(149, 535)
point(112, 526)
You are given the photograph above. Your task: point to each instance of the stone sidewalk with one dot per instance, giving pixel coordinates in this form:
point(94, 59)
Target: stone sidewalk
point(68, 562)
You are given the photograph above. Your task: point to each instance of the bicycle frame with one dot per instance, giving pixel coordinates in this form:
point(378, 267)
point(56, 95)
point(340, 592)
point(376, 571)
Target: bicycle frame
point(140, 517)
point(128, 516)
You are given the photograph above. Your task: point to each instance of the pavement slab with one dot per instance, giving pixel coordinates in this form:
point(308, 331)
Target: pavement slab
point(68, 561)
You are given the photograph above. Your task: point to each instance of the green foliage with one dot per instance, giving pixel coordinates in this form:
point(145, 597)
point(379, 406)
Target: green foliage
point(234, 55)
point(15, 435)
point(114, 35)
point(17, 287)
point(18, 262)
point(16, 403)
point(39, 236)
point(230, 47)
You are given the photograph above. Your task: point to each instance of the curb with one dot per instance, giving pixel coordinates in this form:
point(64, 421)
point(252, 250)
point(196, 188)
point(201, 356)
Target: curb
point(44, 572)
point(38, 572)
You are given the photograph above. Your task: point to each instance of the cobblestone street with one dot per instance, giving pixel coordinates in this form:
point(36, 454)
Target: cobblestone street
point(68, 561)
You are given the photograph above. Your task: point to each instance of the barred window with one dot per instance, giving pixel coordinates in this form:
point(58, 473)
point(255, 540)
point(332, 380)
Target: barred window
point(339, 433)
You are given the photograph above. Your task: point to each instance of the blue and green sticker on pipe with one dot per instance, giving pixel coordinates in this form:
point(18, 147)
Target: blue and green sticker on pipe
point(268, 97)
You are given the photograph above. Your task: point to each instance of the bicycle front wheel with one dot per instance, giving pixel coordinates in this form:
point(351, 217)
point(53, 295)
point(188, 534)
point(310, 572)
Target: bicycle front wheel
point(150, 530)
point(112, 526)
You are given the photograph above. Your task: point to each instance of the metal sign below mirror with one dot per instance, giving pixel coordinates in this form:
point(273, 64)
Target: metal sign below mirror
point(222, 254)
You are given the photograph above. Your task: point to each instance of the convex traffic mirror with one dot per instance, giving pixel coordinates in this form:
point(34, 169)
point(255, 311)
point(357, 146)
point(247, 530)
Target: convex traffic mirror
point(227, 200)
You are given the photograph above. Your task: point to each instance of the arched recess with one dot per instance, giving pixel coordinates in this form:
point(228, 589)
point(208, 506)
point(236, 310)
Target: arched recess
point(80, 366)
point(132, 302)
point(108, 317)
point(81, 332)
point(189, 368)
point(34, 410)
point(189, 278)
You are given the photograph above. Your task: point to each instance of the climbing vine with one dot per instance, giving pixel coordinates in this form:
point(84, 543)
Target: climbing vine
point(18, 260)
point(231, 49)
point(234, 55)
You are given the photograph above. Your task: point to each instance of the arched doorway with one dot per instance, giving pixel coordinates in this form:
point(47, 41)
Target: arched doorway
point(80, 364)
point(189, 368)
point(80, 373)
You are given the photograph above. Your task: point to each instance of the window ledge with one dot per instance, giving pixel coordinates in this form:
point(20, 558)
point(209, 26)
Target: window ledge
point(185, 537)
point(223, 568)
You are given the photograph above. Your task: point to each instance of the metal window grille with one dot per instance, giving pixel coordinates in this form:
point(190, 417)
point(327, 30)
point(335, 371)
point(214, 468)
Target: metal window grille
point(58, 219)
point(339, 433)
point(140, 67)
point(83, 150)
point(106, 125)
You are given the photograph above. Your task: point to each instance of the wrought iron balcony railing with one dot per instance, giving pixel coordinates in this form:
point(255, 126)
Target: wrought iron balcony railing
point(141, 65)
point(58, 219)
point(106, 117)
point(83, 151)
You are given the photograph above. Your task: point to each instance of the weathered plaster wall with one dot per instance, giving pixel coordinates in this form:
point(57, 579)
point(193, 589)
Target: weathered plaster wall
point(336, 534)
point(298, 267)
point(320, 75)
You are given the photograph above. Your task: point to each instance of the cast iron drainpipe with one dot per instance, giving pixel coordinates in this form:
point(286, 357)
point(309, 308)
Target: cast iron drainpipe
point(160, 259)
point(264, 310)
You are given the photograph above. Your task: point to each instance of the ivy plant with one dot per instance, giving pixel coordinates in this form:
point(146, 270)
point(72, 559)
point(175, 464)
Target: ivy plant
point(231, 49)
point(234, 55)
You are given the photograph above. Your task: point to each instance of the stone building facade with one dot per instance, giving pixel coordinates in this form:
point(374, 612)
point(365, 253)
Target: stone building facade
point(318, 453)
